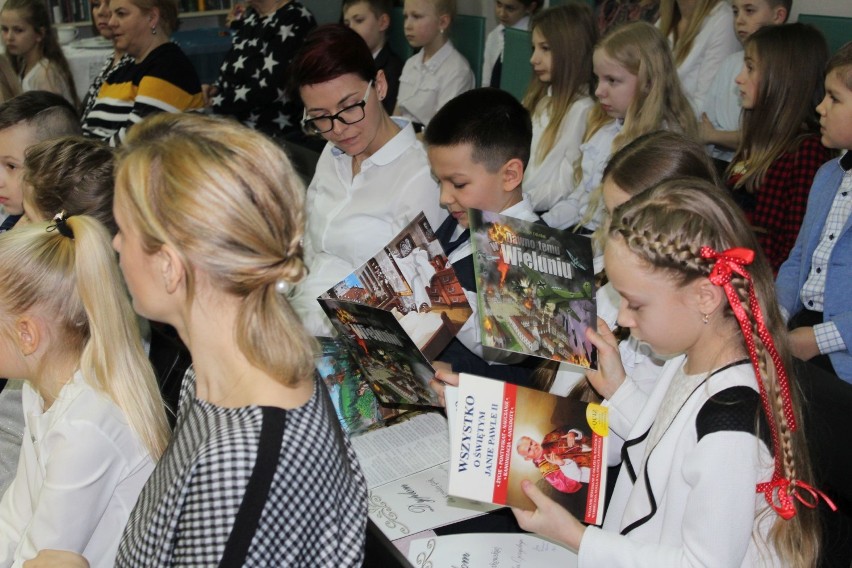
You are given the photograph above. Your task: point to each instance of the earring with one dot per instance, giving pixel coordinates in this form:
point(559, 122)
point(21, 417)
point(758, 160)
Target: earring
point(153, 30)
point(705, 318)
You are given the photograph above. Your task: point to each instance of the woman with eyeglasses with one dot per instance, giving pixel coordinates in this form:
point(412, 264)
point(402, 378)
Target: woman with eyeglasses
point(373, 176)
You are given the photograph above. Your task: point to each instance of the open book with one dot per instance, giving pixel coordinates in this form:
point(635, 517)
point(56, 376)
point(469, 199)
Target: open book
point(535, 288)
point(502, 434)
point(397, 312)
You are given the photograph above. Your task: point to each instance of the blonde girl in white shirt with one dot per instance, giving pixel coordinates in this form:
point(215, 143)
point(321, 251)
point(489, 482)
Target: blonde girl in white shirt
point(638, 92)
point(558, 99)
point(94, 421)
point(436, 73)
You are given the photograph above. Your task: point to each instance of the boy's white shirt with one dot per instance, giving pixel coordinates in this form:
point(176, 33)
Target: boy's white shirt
point(469, 334)
point(494, 43)
point(723, 104)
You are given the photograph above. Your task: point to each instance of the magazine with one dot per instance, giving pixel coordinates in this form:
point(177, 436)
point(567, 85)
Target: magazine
point(397, 312)
point(489, 550)
point(535, 288)
point(503, 434)
point(356, 405)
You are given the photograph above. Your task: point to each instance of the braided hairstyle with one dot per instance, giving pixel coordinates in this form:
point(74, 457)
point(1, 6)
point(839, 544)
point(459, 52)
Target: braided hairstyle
point(666, 227)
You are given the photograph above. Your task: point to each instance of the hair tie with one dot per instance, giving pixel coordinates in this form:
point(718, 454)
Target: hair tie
point(780, 491)
point(60, 223)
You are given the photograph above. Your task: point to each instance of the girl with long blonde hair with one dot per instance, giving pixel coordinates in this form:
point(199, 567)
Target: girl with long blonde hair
point(95, 424)
point(558, 99)
point(638, 92)
point(715, 467)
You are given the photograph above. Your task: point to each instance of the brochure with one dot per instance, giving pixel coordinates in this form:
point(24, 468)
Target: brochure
point(503, 434)
point(489, 550)
point(535, 288)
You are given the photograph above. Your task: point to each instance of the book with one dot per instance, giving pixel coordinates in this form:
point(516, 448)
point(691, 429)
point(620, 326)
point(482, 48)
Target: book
point(503, 434)
point(356, 405)
point(535, 288)
point(398, 311)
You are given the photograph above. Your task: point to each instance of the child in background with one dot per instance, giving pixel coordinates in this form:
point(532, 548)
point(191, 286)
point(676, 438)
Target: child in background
point(511, 14)
point(371, 19)
point(812, 284)
point(640, 165)
point(27, 119)
point(558, 99)
point(613, 13)
point(36, 54)
point(95, 423)
point(701, 34)
point(698, 482)
point(436, 73)
point(720, 119)
point(71, 174)
point(638, 92)
point(780, 150)
point(478, 146)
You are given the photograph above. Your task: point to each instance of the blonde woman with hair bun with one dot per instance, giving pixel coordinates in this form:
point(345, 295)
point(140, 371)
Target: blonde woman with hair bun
point(211, 217)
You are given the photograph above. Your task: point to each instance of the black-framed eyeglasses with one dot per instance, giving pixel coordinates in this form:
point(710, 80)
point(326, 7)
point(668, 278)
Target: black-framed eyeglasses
point(349, 115)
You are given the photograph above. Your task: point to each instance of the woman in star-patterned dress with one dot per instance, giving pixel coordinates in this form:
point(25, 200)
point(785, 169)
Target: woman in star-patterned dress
point(252, 80)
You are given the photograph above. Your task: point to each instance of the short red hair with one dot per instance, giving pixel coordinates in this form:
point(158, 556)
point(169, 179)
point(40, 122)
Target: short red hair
point(330, 51)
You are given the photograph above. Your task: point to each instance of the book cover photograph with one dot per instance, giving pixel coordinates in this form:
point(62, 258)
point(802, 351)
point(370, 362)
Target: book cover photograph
point(535, 288)
point(397, 371)
point(503, 434)
point(411, 279)
point(356, 405)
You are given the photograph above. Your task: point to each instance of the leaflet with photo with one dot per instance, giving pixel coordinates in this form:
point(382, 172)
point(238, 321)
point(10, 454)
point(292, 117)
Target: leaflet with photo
point(535, 288)
point(504, 434)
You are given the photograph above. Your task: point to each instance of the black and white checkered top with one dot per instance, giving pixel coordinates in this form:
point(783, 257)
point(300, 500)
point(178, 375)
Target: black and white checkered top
point(251, 486)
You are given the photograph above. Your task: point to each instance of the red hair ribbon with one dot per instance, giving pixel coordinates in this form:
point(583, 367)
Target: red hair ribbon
point(780, 491)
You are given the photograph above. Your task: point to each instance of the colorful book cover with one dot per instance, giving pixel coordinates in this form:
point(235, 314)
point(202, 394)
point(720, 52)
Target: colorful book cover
point(535, 288)
point(354, 401)
point(393, 365)
point(503, 434)
point(411, 279)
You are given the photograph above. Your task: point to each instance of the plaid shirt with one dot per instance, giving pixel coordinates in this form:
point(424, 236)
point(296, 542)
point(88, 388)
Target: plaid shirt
point(778, 205)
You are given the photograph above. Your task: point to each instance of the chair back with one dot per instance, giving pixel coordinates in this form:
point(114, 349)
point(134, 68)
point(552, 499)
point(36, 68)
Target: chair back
point(469, 39)
point(517, 69)
point(325, 11)
point(837, 30)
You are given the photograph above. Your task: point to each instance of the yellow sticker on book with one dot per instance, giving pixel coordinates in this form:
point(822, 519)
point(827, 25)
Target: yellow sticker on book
point(598, 418)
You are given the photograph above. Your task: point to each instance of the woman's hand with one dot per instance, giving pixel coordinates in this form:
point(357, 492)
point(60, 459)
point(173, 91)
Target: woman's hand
point(610, 372)
point(549, 518)
point(208, 92)
point(57, 559)
point(444, 375)
point(237, 12)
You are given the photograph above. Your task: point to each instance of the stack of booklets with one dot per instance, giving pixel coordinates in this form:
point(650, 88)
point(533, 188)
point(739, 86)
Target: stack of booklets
point(396, 313)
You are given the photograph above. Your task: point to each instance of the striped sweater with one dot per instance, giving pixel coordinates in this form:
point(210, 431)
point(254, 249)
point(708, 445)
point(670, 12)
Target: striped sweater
point(165, 81)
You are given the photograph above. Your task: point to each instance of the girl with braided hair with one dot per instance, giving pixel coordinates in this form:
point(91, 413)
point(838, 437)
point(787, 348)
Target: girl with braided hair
point(715, 470)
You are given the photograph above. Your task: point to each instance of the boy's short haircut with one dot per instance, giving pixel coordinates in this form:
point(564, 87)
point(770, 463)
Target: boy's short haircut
point(494, 123)
point(841, 63)
point(378, 7)
point(50, 114)
point(786, 4)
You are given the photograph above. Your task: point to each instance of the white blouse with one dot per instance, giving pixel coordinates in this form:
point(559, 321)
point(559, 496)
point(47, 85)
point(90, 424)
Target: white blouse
point(351, 218)
point(426, 87)
point(549, 181)
point(45, 76)
point(712, 45)
point(80, 472)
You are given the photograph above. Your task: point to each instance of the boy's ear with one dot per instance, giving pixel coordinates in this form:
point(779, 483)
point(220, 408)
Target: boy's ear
point(513, 174)
point(171, 268)
point(384, 22)
point(779, 15)
point(27, 335)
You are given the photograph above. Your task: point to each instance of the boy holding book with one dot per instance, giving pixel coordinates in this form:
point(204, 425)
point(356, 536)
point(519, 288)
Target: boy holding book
point(812, 282)
point(478, 146)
